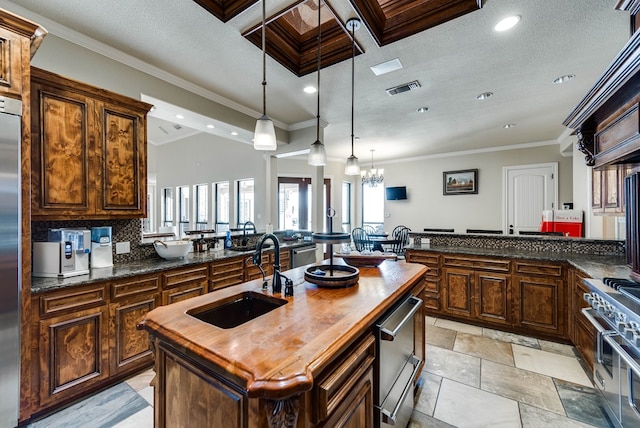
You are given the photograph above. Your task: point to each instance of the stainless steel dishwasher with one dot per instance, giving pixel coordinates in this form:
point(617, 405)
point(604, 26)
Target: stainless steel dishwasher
point(397, 366)
point(303, 255)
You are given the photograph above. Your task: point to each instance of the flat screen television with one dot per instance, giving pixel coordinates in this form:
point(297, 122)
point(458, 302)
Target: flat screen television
point(396, 193)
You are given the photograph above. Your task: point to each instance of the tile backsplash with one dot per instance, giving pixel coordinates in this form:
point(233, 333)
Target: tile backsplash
point(122, 231)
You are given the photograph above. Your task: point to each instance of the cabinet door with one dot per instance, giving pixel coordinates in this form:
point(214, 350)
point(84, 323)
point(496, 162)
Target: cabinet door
point(11, 52)
point(121, 159)
point(493, 291)
point(74, 354)
point(61, 182)
point(458, 292)
point(130, 347)
point(357, 410)
point(540, 304)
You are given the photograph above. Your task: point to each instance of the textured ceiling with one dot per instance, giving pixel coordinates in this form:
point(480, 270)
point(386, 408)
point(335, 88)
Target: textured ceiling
point(454, 62)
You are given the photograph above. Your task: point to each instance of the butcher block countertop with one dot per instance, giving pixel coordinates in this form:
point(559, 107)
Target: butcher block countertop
point(277, 354)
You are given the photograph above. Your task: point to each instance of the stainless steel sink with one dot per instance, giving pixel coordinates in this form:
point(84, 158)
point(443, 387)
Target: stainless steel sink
point(236, 310)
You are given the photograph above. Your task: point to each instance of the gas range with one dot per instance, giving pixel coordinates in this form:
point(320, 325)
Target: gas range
point(617, 301)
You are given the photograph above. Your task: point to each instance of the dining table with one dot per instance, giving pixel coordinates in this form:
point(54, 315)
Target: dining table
point(380, 239)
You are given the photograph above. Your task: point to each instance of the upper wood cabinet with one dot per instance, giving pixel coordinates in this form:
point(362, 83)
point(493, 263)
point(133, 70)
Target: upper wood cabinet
point(19, 40)
point(89, 151)
point(607, 191)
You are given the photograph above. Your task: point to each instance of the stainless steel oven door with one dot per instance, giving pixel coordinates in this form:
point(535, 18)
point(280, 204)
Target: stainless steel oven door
point(606, 366)
point(629, 381)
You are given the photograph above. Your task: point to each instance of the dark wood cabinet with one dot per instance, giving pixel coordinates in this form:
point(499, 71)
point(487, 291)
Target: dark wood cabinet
point(541, 296)
point(227, 272)
point(581, 331)
point(432, 292)
point(13, 50)
point(129, 346)
point(181, 284)
point(458, 292)
point(493, 291)
point(72, 342)
point(89, 151)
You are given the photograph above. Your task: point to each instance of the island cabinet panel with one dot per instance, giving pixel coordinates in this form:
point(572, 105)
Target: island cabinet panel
point(88, 150)
point(182, 284)
point(185, 392)
point(432, 294)
point(458, 292)
point(581, 331)
point(494, 297)
point(226, 272)
point(74, 354)
point(130, 349)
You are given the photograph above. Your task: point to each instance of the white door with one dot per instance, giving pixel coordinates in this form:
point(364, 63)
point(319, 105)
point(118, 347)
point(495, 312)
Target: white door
point(528, 190)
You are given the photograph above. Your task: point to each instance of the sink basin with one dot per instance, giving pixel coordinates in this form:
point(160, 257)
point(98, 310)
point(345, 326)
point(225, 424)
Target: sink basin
point(236, 310)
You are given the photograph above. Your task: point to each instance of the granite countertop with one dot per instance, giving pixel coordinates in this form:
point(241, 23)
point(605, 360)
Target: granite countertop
point(594, 265)
point(140, 267)
point(280, 353)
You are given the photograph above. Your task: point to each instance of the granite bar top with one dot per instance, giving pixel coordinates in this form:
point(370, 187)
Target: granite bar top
point(141, 267)
point(594, 265)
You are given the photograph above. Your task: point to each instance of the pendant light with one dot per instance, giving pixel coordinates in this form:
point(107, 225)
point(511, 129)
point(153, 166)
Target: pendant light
point(317, 154)
point(352, 167)
point(264, 137)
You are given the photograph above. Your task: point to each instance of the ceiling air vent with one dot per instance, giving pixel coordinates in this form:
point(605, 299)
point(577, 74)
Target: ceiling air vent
point(403, 88)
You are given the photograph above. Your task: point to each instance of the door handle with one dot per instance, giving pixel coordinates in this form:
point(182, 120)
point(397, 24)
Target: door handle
point(390, 335)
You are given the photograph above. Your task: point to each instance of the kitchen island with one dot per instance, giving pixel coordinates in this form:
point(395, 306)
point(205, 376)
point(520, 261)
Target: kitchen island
point(309, 360)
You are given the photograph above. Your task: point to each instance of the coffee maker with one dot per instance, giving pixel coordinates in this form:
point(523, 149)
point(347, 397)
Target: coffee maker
point(65, 254)
point(101, 247)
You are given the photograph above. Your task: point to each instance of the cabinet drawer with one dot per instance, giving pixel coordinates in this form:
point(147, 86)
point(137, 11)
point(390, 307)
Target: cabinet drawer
point(335, 386)
point(494, 265)
point(134, 287)
point(432, 284)
point(180, 277)
point(184, 292)
point(225, 267)
point(532, 268)
point(422, 258)
point(71, 300)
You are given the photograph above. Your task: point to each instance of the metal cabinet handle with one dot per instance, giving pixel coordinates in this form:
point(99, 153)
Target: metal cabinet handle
point(390, 335)
point(304, 251)
point(602, 332)
point(391, 417)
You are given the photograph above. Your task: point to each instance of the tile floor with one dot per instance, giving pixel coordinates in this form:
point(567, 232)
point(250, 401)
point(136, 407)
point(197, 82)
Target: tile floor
point(474, 377)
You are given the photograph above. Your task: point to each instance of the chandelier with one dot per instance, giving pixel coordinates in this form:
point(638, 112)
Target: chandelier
point(374, 176)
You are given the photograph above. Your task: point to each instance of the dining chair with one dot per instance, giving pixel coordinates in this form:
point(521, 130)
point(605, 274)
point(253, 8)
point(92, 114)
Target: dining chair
point(369, 229)
point(360, 239)
point(401, 238)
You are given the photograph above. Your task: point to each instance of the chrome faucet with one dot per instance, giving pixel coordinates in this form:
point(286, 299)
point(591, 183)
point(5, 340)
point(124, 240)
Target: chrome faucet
point(276, 282)
point(245, 240)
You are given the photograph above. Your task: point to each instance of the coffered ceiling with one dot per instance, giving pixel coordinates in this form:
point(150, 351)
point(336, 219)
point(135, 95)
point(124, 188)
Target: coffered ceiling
point(211, 48)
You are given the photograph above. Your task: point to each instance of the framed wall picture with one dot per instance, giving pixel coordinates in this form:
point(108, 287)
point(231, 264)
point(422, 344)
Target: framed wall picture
point(463, 182)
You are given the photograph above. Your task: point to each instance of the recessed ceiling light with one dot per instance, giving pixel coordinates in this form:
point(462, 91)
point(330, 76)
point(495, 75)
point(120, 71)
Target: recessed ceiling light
point(422, 109)
point(234, 133)
point(484, 95)
point(310, 89)
point(210, 126)
point(509, 125)
point(564, 78)
point(507, 23)
point(386, 67)
point(179, 116)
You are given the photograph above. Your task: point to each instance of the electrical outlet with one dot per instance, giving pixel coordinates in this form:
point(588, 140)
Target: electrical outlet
point(123, 247)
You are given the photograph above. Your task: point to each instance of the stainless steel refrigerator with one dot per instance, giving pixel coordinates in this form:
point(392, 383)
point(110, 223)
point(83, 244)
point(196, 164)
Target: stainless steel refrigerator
point(10, 259)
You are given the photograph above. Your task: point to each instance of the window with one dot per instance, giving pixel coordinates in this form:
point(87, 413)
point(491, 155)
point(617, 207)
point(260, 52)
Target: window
point(245, 201)
point(183, 209)
point(372, 206)
point(293, 203)
point(167, 206)
point(149, 223)
point(346, 207)
point(221, 208)
point(202, 206)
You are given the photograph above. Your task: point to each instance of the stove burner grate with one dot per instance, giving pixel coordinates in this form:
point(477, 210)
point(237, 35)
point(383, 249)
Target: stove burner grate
point(616, 283)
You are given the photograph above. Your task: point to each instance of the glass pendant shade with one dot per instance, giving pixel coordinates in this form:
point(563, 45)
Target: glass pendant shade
point(352, 167)
point(264, 137)
point(317, 154)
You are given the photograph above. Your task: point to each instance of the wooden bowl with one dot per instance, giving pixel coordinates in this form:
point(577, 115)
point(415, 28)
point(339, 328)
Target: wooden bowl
point(366, 260)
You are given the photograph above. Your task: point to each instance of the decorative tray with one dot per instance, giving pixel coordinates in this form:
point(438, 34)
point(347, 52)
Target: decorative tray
point(366, 260)
point(332, 276)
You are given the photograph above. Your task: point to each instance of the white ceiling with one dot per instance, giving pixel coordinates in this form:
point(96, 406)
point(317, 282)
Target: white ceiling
point(453, 62)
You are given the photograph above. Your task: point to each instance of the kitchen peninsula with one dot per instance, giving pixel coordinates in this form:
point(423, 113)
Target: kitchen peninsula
point(310, 359)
